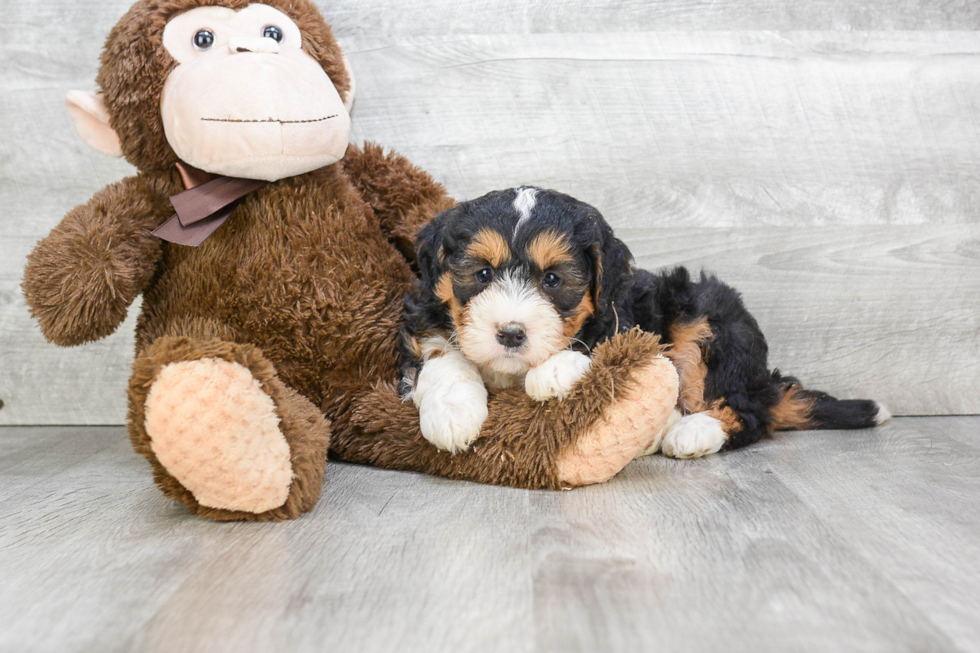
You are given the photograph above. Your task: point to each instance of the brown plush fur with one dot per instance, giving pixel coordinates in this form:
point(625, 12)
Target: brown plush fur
point(402, 196)
point(521, 440)
point(302, 285)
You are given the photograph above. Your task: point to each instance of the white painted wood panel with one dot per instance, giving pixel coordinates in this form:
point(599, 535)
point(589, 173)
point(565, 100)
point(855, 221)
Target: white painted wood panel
point(831, 175)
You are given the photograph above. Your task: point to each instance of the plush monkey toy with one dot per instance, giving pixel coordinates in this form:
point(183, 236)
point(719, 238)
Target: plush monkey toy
point(272, 299)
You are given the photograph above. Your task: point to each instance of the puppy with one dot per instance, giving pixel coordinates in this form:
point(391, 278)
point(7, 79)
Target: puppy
point(516, 288)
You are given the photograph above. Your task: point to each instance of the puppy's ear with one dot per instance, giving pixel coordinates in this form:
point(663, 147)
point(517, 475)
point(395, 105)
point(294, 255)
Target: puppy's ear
point(613, 277)
point(430, 247)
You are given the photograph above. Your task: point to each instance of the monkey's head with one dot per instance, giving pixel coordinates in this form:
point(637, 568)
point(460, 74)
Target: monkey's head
point(260, 91)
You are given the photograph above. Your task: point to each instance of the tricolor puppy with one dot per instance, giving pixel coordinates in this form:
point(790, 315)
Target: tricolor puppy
point(517, 287)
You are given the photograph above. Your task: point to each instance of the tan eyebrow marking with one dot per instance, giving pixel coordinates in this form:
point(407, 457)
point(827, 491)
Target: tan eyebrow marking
point(444, 291)
point(549, 248)
point(489, 246)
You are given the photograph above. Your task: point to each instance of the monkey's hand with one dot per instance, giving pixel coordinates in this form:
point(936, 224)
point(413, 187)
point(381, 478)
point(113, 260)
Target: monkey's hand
point(403, 196)
point(81, 278)
point(556, 377)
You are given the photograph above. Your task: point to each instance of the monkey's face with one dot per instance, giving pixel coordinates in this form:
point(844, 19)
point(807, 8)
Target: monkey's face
point(245, 99)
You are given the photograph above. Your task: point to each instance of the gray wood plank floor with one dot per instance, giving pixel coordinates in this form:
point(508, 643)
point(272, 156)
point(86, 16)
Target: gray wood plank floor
point(829, 541)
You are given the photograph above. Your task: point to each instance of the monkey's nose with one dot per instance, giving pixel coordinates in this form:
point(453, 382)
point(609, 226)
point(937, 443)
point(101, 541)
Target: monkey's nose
point(253, 44)
point(511, 334)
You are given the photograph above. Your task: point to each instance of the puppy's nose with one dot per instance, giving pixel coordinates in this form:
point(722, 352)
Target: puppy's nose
point(511, 334)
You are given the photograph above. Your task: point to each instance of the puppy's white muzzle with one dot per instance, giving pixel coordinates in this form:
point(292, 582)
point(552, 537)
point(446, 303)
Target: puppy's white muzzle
point(510, 300)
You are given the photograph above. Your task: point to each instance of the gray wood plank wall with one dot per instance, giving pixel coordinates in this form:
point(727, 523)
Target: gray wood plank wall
point(820, 156)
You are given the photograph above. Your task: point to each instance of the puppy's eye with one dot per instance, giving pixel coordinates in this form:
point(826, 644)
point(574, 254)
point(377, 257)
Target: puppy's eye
point(204, 39)
point(273, 32)
point(484, 276)
point(551, 280)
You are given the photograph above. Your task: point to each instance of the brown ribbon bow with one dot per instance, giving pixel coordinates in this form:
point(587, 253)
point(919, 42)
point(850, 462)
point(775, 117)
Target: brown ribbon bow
point(204, 206)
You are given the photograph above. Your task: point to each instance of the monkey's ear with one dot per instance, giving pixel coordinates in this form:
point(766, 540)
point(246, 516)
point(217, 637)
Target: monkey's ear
point(91, 120)
point(349, 99)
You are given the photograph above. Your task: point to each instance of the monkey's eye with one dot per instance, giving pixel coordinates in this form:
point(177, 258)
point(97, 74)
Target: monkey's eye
point(204, 39)
point(551, 280)
point(484, 276)
point(273, 32)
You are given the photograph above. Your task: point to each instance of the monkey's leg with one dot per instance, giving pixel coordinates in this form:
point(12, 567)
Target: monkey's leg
point(611, 416)
point(225, 436)
point(403, 196)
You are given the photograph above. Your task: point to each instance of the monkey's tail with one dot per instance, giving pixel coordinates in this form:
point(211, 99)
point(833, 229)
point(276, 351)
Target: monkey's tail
point(799, 409)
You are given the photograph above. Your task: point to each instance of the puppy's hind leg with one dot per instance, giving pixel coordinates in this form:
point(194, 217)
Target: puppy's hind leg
point(694, 436)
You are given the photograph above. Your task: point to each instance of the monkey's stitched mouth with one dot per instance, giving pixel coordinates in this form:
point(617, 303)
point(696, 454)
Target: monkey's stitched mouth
point(281, 122)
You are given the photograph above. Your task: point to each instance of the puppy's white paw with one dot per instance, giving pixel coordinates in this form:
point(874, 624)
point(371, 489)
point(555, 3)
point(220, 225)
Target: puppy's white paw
point(694, 436)
point(556, 377)
point(452, 402)
point(452, 419)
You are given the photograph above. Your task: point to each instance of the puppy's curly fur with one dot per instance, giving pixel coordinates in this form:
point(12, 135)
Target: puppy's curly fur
point(561, 251)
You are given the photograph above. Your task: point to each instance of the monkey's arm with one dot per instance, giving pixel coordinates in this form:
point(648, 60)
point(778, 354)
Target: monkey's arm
point(612, 416)
point(81, 278)
point(403, 196)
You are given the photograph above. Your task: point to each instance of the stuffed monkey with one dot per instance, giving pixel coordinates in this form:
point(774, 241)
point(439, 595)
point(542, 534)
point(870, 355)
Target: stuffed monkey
point(272, 299)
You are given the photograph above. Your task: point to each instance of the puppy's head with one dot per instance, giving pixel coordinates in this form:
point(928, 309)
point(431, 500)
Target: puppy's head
point(522, 274)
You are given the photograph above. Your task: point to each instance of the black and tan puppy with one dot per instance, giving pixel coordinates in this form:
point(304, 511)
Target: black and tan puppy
point(519, 284)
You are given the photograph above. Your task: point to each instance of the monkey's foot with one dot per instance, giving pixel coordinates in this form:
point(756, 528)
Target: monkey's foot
point(628, 426)
point(215, 430)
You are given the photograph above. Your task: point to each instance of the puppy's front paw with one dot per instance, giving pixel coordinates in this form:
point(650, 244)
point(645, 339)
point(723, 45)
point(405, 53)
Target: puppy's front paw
point(452, 403)
point(452, 419)
point(556, 376)
point(694, 436)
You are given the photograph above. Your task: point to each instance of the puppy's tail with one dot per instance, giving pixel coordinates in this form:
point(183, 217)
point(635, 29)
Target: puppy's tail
point(799, 409)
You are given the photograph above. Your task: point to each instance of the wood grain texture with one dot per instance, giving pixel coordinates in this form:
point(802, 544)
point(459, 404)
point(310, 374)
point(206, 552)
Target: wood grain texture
point(446, 17)
point(830, 174)
point(844, 541)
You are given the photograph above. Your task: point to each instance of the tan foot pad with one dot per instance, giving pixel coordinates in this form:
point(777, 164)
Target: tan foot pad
point(626, 429)
point(216, 431)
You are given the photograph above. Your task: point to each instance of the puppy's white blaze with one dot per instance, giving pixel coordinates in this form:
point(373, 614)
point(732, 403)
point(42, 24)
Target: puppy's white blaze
point(524, 204)
point(883, 414)
point(555, 378)
point(452, 401)
point(694, 436)
point(510, 299)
